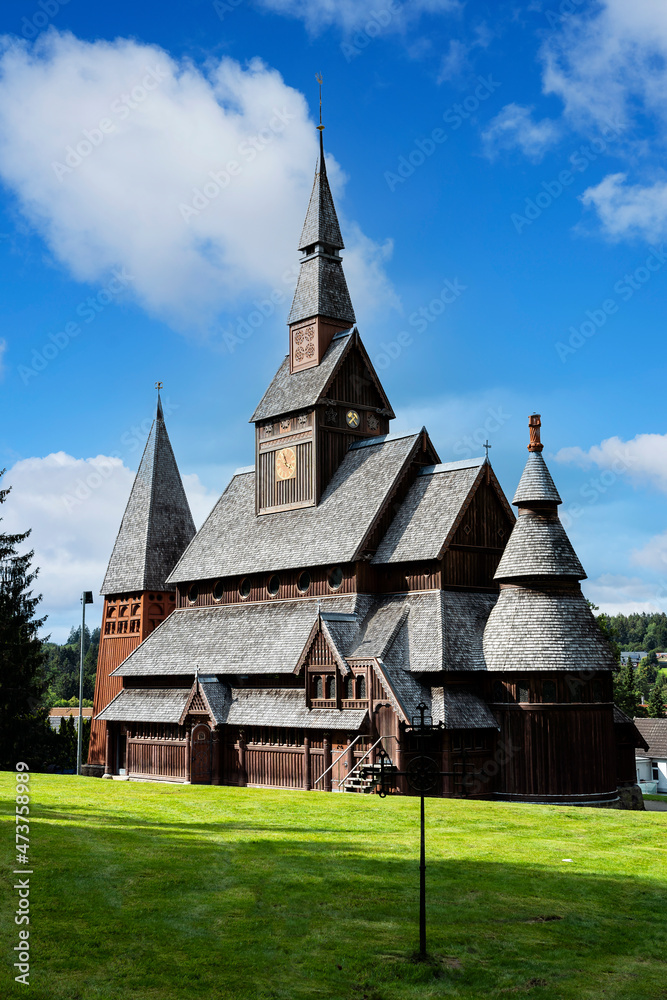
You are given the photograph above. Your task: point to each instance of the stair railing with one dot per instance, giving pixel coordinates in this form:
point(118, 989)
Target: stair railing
point(336, 761)
point(360, 762)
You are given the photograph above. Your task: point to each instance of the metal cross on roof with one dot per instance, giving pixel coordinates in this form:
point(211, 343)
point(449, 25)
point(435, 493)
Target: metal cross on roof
point(486, 448)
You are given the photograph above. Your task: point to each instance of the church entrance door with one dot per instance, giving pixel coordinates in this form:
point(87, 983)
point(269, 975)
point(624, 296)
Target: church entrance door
point(200, 773)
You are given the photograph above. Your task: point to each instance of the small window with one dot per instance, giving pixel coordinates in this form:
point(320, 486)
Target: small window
point(524, 692)
point(218, 591)
point(335, 578)
point(273, 586)
point(361, 687)
point(317, 686)
point(656, 772)
point(549, 691)
point(193, 593)
point(244, 587)
point(331, 687)
point(303, 583)
point(349, 687)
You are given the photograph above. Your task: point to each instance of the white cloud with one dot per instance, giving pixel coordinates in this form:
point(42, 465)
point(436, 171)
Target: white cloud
point(514, 127)
point(624, 595)
point(627, 210)
point(653, 555)
point(123, 204)
point(611, 64)
point(641, 460)
point(356, 15)
point(454, 61)
point(74, 507)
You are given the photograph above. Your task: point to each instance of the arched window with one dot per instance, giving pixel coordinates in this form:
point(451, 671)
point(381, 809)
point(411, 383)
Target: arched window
point(331, 686)
point(349, 687)
point(317, 686)
point(361, 687)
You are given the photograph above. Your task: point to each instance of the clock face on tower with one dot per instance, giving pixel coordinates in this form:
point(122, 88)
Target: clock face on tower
point(286, 464)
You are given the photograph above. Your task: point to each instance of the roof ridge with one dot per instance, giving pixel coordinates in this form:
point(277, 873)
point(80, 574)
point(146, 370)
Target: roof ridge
point(383, 438)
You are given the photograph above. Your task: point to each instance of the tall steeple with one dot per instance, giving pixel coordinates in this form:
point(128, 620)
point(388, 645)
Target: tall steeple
point(157, 524)
point(321, 306)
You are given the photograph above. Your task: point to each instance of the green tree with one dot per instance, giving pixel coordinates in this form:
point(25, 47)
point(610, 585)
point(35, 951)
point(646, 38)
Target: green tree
point(23, 724)
point(626, 695)
point(657, 698)
point(647, 673)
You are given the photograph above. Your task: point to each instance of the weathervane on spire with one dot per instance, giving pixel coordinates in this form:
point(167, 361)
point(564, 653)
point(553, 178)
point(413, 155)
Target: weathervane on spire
point(320, 80)
point(158, 386)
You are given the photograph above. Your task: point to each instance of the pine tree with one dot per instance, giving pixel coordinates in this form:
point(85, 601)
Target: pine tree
point(657, 698)
point(626, 695)
point(22, 718)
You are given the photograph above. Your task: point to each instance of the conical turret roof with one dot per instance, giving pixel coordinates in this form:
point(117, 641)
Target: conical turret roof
point(536, 484)
point(539, 547)
point(157, 525)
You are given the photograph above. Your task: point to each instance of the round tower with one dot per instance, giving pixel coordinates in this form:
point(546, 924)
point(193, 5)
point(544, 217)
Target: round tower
point(552, 690)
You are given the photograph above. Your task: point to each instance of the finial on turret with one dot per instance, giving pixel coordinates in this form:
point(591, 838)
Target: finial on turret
point(534, 423)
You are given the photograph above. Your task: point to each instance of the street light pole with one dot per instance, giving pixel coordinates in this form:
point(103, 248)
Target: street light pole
point(86, 598)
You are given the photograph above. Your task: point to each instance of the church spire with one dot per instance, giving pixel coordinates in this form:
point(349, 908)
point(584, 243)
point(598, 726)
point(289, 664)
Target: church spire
point(321, 306)
point(157, 525)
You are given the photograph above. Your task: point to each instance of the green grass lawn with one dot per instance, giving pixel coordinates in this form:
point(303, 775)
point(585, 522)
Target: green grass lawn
point(169, 892)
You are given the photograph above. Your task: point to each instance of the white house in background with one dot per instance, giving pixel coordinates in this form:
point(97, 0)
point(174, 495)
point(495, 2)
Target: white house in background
point(652, 763)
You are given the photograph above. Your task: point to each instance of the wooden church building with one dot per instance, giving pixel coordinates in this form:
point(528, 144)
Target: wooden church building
point(344, 578)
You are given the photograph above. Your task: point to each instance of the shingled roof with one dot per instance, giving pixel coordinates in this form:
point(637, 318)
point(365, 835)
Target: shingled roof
point(284, 707)
point(321, 290)
point(429, 514)
point(321, 222)
point(157, 524)
point(146, 705)
point(460, 709)
point(291, 392)
point(539, 546)
point(231, 638)
point(301, 390)
point(536, 483)
point(530, 629)
point(654, 733)
point(233, 540)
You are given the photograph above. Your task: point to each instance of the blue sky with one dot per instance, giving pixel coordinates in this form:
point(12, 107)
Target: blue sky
point(498, 174)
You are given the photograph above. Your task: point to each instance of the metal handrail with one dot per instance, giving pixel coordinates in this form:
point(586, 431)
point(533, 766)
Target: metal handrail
point(338, 758)
point(359, 762)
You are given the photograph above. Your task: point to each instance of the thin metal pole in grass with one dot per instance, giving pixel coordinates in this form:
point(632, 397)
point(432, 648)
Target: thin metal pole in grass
point(86, 598)
point(422, 774)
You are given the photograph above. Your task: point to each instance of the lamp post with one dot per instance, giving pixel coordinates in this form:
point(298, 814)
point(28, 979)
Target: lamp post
point(86, 598)
point(422, 774)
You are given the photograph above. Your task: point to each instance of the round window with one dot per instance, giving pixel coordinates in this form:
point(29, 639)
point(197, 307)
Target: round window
point(273, 586)
point(303, 583)
point(335, 577)
point(193, 593)
point(218, 591)
point(244, 587)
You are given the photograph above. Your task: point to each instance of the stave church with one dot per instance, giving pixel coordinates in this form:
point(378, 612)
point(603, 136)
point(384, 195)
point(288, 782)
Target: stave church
point(346, 577)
